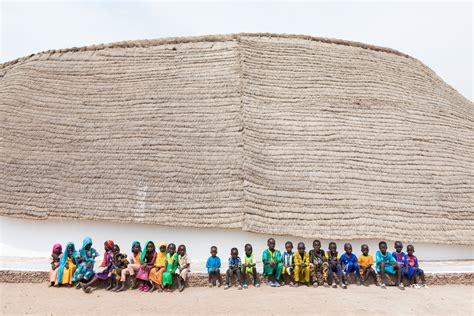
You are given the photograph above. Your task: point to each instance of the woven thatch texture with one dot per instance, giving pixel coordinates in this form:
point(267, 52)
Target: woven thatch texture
point(139, 134)
point(274, 134)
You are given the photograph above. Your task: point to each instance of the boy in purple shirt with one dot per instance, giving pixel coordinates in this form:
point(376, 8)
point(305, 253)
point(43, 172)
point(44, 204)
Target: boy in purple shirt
point(349, 264)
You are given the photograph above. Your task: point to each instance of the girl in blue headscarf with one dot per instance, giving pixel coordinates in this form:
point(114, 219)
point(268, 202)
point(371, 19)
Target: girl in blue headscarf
point(86, 260)
point(67, 265)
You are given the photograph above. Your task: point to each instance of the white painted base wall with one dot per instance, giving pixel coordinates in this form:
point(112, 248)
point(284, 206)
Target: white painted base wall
point(26, 244)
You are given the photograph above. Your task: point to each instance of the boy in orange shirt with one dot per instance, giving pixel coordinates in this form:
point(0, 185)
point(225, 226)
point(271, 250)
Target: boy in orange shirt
point(366, 262)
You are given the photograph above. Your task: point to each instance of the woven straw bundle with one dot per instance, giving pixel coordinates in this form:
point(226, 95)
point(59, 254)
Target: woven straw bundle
point(276, 134)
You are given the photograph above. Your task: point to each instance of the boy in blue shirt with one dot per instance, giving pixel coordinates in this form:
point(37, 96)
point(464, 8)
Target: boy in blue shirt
point(349, 263)
point(213, 266)
point(386, 263)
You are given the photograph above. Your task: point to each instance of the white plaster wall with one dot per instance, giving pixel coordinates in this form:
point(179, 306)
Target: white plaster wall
point(26, 244)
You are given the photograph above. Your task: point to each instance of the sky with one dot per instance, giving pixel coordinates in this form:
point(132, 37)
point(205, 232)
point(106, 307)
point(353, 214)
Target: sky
point(440, 34)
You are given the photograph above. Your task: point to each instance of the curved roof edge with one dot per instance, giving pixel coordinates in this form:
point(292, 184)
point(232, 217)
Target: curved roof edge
point(203, 38)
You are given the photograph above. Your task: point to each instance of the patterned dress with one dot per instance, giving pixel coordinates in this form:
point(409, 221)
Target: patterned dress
point(318, 266)
point(119, 262)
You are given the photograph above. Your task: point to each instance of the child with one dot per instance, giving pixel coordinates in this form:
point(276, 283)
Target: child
point(213, 266)
point(412, 270)
point(133, 267)
point(67, 265)
point(332, 256)
point(183, 270)
point(272, 265)
point(103, 271)
point(119, 264)
point(302, 265)
point(156, 274)
point(318, 265)
point(386, 263)
point(366, 262)
point(54, 260)
point(86, 260)
point(235, 265)
point(171, 266)
point(147, 263)
point(249, 266)
point(349, 264)
point(288, 264)
point(399, 255)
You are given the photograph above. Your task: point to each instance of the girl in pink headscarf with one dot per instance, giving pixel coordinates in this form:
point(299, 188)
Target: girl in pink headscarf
point(55, 257)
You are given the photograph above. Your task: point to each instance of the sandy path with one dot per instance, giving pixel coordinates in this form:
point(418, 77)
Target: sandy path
point(438, 300)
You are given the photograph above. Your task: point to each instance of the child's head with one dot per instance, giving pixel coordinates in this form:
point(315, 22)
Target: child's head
point(410, 250)
point(182, 250)
point(57, 249)
point(213, 251)
point(316, 245)
point(88, 247)
point(162, 246)
point(108, 245)
point(332, 247)
point(271, 244)
point(116, 249)
point(301, 248)
point(383, 247)
point(348, 248)
point(289, 246)
point(171, 248)
point(150, 247)
point(248, 250)
point(234, 252)
point(398, 246)
point(365, 249)
point(136, 247)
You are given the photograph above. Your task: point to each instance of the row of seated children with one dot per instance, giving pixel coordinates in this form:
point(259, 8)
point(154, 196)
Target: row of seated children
point(317, 266)
point(152, 269)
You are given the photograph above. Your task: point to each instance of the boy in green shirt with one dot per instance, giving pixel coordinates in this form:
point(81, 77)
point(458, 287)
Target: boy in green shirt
point(249, 266)
point(272, 264)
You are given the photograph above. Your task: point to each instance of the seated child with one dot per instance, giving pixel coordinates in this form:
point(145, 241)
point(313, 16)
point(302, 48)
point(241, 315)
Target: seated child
point(249, 266)
point(54, 260)
point(147, 263)
point(67, 265)
point(156, 274)
point(332, 256)
point(86, 262)
point(366, 262)
point(213, 266)
point(171, 267)
point(272, 265)
point(349, 263)
point(301, 265)
point(234, 268)
point(119, 263)
point(133, 267)
point(413, 270)
point(184, 264)
point(103, 271)
point(318, 265)
point(288, 264)
point(386, 263)
point(399, 255)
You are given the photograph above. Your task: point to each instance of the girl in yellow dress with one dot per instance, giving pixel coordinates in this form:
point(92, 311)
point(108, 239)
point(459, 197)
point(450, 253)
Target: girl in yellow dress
point(156, 274)
point(67, 265)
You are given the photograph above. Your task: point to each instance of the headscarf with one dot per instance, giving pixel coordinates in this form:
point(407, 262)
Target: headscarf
point(56, 246)
point(63, 261)
point(182, 247)
point(111, 245)
point(142, 257)
point(133, 245)
point(87, 240)
point(161, 244)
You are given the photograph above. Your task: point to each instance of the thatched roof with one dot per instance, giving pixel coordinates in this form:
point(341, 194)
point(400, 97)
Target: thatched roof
point(276, 134)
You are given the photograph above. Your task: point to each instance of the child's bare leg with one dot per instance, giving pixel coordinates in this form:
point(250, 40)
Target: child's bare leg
point(422, 277)
point(413, 278)
point(255, 277)
point(111, 284)
point(219, 277)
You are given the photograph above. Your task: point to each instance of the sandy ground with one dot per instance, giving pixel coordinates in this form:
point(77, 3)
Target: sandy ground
point(437, 300)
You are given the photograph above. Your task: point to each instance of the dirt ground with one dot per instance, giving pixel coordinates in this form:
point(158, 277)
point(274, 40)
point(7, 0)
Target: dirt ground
point(17, 298)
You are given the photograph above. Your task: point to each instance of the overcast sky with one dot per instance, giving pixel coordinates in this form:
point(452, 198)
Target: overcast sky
point(439, 34)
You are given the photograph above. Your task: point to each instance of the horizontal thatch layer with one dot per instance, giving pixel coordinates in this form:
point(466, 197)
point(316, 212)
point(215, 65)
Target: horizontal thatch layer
point(273, 134)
